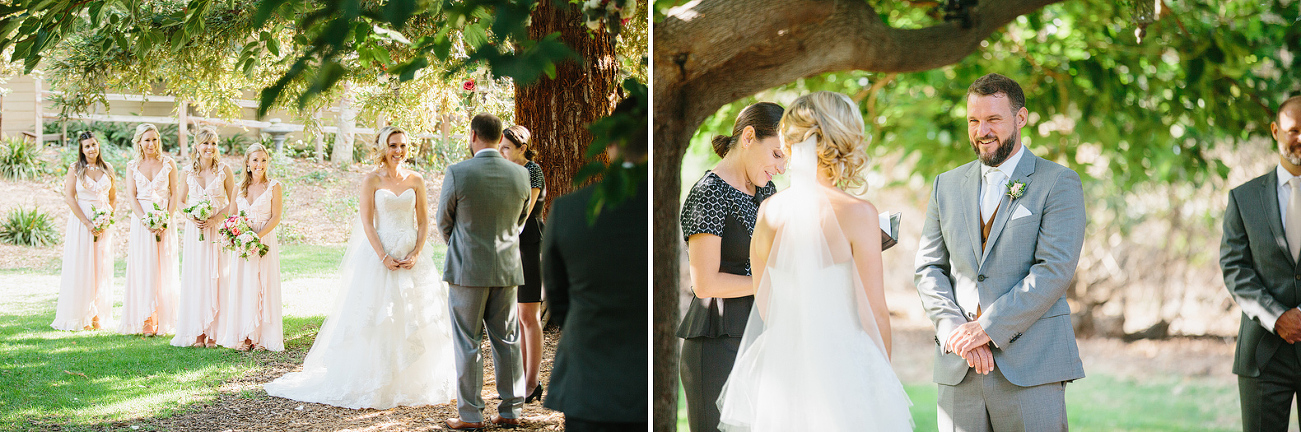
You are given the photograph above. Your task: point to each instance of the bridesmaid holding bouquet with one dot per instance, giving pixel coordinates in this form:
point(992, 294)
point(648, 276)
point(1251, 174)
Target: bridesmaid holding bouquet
point(86, 288)
point(149, 304)
point(205, 274)
point(251, 317)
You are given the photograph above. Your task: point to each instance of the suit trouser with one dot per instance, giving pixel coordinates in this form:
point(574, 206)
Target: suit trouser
point(1267, 399)
point(473, 310)
point(982, 403)
point(706, 363)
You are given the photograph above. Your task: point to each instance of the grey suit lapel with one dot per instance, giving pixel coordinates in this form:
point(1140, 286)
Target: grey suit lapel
point(1269, 197)
point(971, 207)
point(1022, 172)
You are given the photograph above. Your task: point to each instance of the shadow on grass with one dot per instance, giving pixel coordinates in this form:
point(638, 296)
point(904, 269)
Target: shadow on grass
point(81, 380)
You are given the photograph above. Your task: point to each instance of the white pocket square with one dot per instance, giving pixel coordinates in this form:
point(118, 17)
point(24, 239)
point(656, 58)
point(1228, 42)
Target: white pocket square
point(1020, 212)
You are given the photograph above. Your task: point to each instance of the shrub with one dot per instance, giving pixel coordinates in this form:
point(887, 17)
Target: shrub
point(234, 144)
point(20, 159)
point(29, 228)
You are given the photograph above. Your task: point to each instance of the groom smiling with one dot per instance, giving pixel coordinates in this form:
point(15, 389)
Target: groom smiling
point(1000, 244)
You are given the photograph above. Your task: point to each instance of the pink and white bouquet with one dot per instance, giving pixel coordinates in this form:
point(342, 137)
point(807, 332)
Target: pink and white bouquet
point(238, 236)
point(156, 219)
point(201, 210)
point(100, 220)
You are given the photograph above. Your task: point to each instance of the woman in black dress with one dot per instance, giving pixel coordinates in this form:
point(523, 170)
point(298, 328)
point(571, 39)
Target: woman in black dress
point(717, 221)
point(515, 147)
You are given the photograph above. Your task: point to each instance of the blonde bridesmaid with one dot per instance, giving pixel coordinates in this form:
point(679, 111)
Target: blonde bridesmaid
point(86, 288)
point(204, 272)
point(149, 305)
point(251, 309)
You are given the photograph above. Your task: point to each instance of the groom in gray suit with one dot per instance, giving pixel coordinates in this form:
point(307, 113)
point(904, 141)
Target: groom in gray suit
point(1001, 240)
point(480, 212)
point(1259, 255)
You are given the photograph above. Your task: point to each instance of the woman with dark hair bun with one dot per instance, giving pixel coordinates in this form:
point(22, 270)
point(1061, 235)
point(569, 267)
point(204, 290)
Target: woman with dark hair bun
point(717, 221)
point(515, 147)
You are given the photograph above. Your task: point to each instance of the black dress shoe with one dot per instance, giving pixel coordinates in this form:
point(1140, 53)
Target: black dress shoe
point(535, 395)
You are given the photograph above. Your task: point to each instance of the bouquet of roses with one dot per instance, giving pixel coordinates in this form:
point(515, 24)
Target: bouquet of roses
point(100, 219)
point(156, 219)
point(239, 236)
point(201, 210)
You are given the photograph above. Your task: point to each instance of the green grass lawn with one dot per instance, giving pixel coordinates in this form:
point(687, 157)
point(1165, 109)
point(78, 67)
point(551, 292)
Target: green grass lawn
point(81, 380)
point(1102, 403)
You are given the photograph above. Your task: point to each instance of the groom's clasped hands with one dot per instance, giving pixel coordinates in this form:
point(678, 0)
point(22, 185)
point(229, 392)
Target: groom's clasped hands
point(971, 343)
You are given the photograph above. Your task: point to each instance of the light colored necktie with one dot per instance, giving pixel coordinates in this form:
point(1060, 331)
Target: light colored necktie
point(1292, 223)
point(990, 194)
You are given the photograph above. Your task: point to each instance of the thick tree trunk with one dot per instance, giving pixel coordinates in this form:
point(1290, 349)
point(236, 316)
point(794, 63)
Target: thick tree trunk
point(712, 52)
point(557, 111)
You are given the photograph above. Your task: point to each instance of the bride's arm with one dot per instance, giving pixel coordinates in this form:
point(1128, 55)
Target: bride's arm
point(422, 218)
point(865, 245)
point(367, 204)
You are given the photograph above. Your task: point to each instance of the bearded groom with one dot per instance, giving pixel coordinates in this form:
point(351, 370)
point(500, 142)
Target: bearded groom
point(999, 247)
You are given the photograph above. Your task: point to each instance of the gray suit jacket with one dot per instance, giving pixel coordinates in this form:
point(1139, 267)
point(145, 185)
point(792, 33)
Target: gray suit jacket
point(1022, 273)
point(480, 212)
point(1258, 270)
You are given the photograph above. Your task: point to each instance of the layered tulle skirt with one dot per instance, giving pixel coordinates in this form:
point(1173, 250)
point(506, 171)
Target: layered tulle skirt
point(388, 341)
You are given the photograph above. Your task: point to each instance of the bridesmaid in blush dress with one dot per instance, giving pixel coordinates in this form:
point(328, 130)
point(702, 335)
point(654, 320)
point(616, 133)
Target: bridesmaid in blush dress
point(204, 273)
point(251, 316)
point(86, 288)
point(149, 304)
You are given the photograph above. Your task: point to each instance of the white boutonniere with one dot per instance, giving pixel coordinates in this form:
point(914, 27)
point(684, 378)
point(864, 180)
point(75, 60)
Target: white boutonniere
point(1015, 189)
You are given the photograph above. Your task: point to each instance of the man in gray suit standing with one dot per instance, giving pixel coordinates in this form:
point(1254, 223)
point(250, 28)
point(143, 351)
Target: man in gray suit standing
point(1000, 243)
point(1259, 254)
point(480, 212)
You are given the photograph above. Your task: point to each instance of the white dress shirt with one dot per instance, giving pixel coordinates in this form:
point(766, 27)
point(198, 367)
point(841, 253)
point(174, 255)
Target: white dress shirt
point(1284, 194)
point(1007, 168)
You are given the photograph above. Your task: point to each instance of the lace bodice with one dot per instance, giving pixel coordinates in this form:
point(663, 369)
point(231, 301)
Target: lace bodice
point(395, 221)
point(94, 191)
point(258, 211)
point(215, 190)
point(155, 189)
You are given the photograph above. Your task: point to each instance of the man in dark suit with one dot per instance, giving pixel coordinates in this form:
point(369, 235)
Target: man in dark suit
point(1259, 255)
point(480, 213)
point(597, 292)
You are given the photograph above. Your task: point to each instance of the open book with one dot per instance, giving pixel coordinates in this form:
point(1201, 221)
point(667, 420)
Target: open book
point(889, 229)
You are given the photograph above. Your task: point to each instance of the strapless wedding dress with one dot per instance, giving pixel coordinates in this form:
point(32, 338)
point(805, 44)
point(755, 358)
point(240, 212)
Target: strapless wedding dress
point(388, 341)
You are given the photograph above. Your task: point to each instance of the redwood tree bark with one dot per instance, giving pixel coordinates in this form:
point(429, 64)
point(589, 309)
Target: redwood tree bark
point(711, 52)
point(557, 111)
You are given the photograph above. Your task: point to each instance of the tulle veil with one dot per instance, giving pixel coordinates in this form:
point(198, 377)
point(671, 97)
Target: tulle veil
point(812, 357)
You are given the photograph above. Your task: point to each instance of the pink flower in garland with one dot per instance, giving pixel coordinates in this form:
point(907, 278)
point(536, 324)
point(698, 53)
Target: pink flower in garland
point(469, 85)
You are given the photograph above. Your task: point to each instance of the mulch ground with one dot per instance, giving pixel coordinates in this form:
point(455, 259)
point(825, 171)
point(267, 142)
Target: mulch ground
point(242, 405)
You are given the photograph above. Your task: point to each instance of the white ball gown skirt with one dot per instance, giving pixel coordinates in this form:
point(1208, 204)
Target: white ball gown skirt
point(388, 341)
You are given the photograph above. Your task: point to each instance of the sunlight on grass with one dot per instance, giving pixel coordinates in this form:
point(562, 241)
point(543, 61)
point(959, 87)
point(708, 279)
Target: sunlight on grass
point(1102, 403)
point(80, 380)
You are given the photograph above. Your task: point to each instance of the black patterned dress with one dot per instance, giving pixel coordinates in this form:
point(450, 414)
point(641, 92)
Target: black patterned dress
point(530, 241)
point(712, 327)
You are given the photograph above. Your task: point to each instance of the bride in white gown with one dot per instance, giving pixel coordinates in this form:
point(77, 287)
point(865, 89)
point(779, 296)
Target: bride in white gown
point(815, 355)
point(388, 340)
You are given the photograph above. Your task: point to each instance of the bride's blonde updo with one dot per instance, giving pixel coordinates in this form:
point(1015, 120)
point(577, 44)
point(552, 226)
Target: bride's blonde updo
point(836, 123)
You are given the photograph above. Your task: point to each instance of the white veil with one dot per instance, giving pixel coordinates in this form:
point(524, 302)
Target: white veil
point(812, 355)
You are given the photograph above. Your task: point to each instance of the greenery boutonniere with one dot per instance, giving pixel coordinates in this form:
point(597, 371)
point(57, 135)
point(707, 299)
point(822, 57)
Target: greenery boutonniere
point(1015, 189)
